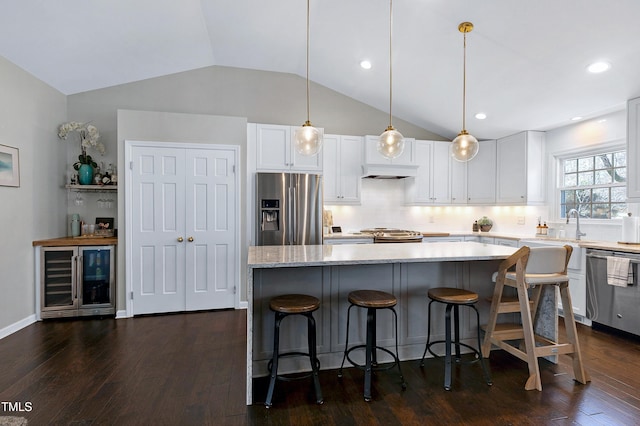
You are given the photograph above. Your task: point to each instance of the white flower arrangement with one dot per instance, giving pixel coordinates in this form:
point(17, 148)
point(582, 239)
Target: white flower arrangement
point(89, 138)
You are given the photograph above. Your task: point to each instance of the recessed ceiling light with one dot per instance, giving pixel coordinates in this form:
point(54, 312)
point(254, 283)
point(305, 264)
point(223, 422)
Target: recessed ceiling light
point(365, 64)
point(576, 118)
point(598, 67)
point(481, 116)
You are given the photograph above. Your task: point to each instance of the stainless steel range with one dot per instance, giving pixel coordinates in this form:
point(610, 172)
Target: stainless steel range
point(390, 235)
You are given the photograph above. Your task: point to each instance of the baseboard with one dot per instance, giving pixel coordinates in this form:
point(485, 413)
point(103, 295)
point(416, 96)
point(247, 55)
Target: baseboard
point(243, 305)
point(122, 313)
point(16, 326)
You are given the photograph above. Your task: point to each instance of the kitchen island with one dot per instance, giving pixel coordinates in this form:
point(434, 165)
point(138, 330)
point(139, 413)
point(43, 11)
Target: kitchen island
point(330, 272)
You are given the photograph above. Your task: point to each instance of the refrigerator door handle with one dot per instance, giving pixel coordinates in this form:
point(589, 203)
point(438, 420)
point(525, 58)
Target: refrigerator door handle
point(294, 217)
point(290, 213)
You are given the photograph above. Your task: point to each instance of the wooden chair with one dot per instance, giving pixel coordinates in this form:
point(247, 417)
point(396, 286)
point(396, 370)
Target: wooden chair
point(528, 270)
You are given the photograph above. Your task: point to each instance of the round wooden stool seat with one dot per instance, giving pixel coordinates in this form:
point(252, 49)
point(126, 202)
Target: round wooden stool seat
point(372, 299)
point(455, 296)
point(294, 303)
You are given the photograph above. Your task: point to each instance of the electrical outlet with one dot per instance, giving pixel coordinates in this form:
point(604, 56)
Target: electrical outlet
point(521, 220)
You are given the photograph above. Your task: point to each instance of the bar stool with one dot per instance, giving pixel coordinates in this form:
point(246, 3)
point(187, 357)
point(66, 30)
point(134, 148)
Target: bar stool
point(372, 301)
point(453, 298)
point(528, 270)
point(283, 306)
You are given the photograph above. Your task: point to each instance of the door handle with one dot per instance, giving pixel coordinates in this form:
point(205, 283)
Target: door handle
point(180, 239)
point(190, 239)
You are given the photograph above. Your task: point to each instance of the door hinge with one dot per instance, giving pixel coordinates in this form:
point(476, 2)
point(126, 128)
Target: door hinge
point(234, 289)
point(233, 168)
point(130, 165)
point(131, 296)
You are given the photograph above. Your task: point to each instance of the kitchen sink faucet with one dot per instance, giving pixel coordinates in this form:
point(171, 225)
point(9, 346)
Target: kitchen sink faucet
point(578, 233)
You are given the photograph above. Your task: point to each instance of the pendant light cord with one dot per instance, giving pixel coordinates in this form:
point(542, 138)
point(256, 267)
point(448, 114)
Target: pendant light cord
point(308, 108)
point(464, 83)
point(390, 62)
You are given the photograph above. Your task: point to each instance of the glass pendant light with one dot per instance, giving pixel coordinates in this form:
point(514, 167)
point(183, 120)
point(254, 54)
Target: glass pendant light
point(391, 142)
point(308, 139)
point(464, 147)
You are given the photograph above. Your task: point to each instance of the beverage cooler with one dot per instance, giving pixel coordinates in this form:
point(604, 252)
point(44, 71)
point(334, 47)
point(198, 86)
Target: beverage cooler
point(77, 281)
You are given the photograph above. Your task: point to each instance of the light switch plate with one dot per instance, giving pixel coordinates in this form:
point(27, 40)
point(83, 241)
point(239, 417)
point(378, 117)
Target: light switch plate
point(520, 220)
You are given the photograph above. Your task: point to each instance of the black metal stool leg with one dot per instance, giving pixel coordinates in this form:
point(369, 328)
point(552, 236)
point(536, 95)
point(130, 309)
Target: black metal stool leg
point(274, 359)
point(485, 370)
point(447, 365)
point(370, 349)
point(313, 358)
point(456, 325)
point(426, 347)
point(346, 343)
point(397, 360)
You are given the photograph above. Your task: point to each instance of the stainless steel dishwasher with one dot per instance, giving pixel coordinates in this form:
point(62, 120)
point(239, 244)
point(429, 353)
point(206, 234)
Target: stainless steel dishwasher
point(617, 307)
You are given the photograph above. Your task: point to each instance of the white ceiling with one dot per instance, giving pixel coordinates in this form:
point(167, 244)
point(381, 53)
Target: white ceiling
point(525, 59)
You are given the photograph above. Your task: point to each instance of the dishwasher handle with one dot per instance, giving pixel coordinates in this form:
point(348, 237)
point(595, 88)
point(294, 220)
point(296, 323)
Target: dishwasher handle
point(602, 254)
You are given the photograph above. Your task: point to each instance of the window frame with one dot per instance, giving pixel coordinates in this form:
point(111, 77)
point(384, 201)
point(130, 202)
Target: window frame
point(559, 157)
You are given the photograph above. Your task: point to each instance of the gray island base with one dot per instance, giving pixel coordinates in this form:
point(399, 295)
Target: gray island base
point(330, 272)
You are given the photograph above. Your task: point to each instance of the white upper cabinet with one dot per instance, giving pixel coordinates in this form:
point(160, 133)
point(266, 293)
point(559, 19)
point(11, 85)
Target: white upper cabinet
point(431, 184)
point(372, 156)
point(633, 150)
point(275, 150)
point(481, 175)
point(520, 161)
point(474, 182)
point(342, 169)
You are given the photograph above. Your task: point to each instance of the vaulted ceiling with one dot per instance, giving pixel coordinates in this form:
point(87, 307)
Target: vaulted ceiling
point(526, 60)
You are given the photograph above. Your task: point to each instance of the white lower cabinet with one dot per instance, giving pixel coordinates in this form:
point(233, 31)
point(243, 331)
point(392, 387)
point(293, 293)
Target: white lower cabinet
point(336, 241)
point(342, 169)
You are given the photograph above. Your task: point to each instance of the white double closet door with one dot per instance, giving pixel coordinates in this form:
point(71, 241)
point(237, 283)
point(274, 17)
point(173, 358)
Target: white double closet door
point(183, 228)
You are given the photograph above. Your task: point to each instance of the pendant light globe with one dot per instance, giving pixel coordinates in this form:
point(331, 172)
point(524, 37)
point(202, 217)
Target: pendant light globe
point(391, 143)
point(465, 146)
point(308, 139)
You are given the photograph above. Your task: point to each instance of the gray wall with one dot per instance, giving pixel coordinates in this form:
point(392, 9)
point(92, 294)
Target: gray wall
point(30, 112)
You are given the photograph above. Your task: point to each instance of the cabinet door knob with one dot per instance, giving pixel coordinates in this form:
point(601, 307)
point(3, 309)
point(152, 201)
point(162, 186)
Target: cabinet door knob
point(180, 239)
point(190, 239)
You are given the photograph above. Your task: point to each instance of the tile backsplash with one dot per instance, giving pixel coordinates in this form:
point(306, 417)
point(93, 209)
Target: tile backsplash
point(383, 205)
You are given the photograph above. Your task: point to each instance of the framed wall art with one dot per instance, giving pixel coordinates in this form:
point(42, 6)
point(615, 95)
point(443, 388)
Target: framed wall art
point(9, 166)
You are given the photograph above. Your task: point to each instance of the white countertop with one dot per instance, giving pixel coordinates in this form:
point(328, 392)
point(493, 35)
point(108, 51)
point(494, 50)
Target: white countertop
point(358, 254)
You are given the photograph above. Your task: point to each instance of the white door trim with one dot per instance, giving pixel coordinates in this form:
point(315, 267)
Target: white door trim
point(128, 213)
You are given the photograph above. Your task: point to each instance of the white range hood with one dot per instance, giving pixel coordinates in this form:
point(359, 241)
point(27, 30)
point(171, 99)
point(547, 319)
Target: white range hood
point(375, 166)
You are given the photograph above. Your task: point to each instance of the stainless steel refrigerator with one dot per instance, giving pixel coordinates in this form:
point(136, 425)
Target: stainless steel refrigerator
point(289, 209)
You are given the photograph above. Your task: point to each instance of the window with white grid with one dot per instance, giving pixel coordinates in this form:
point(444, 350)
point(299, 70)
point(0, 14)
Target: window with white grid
point(595, 185)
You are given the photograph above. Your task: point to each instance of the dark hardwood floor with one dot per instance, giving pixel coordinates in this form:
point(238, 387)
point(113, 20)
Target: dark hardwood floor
point(189, 369)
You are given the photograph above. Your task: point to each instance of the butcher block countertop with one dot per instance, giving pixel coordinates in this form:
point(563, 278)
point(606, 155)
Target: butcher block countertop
point(77, 241)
